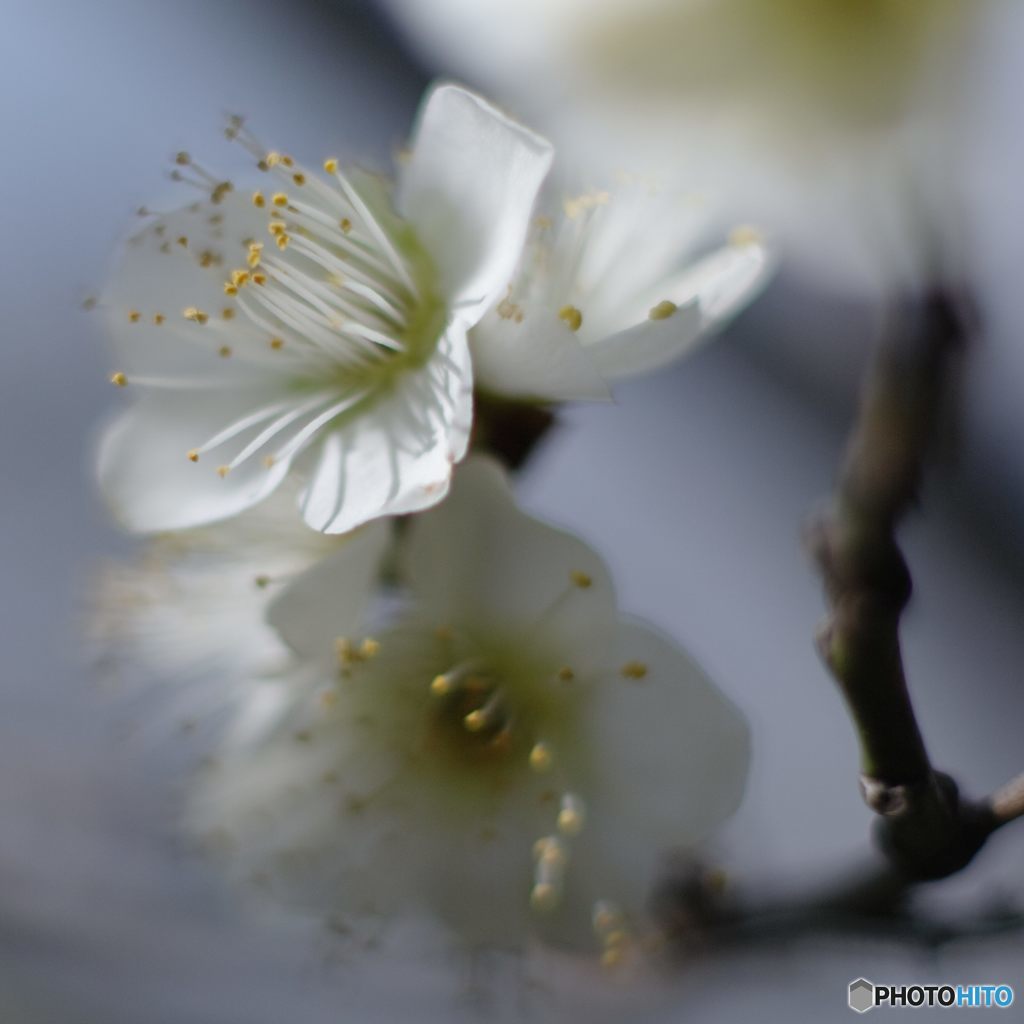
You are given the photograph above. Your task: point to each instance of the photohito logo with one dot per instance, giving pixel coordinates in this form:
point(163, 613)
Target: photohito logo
point(864, 995)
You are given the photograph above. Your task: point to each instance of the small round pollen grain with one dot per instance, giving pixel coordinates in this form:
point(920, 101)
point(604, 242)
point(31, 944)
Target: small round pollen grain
point(118, 379)
point(663, 310)
point(571, 316)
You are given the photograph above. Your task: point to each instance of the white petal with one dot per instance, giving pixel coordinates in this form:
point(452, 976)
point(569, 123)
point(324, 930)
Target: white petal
point(536, 357)
point(673, 765)
point(724, 282)
point(331, 599)
point(648, 345)
point(144, 470)
point(397, 456)
point(469, 189)
point(478, 559)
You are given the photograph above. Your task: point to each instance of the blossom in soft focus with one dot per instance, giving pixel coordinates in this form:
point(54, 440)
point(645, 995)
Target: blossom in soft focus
point(188, 613)
point(825, 117)
point(609, 286)
point(493, 745)
point(318, 325)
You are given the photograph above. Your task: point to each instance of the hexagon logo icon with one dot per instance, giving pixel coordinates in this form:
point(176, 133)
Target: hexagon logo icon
point(862, 995)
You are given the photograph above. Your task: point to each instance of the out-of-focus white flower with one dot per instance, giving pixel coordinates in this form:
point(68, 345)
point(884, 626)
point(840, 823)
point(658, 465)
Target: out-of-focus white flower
point(189, 613)
point(508, 753)
point(335, 344)
point(828, 117)
point(608, 287)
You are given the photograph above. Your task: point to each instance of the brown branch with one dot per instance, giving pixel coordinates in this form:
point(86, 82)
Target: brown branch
point(926, 828)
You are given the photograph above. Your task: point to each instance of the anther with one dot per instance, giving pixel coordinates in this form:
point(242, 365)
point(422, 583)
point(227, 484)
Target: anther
point(581, 579)
point(541, 757)
point(572, 815)
point(299, 178)
point(224, 351)
point(633, 670)
point(662, 311)
point(279, 199)
point(134, 316)
point(193, 455)
point(222, 471)
point(195, 315)
point(118, 379)
point(276, 344)
point(258, 199)
point(745, 234)
point(158, 319)
point(566, 674)
point(544, 897)
point(345, 224)
point(571, 316)
point(331, 166)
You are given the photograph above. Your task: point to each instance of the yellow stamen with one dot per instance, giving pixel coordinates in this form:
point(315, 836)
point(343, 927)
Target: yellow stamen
point(633, 670)
point(662, 311)
point(118, 379)
point(572, 317)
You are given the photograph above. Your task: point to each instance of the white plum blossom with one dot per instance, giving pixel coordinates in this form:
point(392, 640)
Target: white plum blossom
point(187, 614)
point(505, 753)
point(316, 325)
point(608, 287)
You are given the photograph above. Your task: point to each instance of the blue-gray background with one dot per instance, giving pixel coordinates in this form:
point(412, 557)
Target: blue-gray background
point(694, 485)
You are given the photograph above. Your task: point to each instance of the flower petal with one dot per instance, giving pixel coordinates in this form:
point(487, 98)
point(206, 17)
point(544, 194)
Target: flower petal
point(397, 456)
point(648, 345)
point(522, 573)
point(469, 189)
point(706, 296)
point(537, 356)
point(145, 474)
point(331, 599)
point(675, 756)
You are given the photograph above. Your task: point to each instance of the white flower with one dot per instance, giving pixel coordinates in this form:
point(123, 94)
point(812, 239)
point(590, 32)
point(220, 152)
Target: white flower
point(608, 287)
point(333, 344)
point(831, 120)
point(509, 754)
point(189, 613)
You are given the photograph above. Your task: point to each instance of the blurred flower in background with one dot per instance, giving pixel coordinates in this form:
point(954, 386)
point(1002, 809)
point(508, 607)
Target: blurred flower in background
point(829, 120)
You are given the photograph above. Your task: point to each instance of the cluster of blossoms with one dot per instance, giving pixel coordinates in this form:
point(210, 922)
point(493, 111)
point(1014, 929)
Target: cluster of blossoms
point(438, 712)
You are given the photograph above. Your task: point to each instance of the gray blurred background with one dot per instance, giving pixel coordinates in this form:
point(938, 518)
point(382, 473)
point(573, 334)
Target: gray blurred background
point(694, 485)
